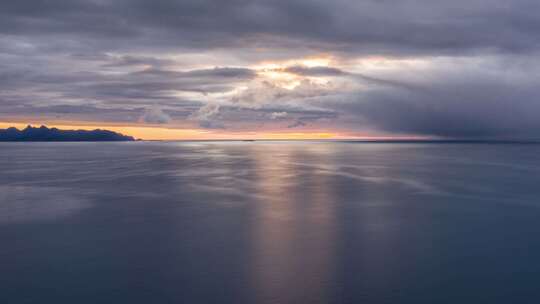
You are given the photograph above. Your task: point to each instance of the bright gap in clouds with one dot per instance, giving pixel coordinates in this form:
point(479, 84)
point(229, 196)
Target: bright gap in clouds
point(275, 71)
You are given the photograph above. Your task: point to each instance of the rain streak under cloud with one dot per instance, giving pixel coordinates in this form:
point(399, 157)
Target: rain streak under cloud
point(459, 69)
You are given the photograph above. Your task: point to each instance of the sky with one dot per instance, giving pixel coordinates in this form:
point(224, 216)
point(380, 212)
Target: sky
point(214, 69)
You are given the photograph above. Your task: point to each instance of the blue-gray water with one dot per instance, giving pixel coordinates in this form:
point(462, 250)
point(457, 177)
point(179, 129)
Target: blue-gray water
point(272, 222)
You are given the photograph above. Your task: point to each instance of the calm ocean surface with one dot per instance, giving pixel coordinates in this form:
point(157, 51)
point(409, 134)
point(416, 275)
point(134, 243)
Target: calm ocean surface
point(269, 222)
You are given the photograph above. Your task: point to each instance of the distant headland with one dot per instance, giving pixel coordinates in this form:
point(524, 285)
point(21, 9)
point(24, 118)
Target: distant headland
point(53, 134)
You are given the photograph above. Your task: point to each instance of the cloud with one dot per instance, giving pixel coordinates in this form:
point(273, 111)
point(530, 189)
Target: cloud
point(261, 93)
point(314, 71)
point(457, 102)
point(210, 124)
point(388, 27)
point(278, 115)
point(207, 111)
point(297, 124)
point(155, 115)
point(324, 71)
point(131, 61)
point(506, 114)
point(207, 116)
point(215, 74)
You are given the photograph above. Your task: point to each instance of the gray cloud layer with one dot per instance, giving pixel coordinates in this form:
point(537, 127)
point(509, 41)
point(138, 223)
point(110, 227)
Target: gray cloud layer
point(375, 26)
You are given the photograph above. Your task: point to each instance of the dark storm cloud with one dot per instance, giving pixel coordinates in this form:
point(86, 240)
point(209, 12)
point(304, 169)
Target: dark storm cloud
point(481, 108)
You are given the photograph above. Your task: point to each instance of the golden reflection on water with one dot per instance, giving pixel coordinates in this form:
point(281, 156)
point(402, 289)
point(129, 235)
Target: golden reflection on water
point(294, 231)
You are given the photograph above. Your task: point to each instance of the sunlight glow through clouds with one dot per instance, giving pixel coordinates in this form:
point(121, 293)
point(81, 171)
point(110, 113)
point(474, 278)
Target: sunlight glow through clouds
point(274, 71)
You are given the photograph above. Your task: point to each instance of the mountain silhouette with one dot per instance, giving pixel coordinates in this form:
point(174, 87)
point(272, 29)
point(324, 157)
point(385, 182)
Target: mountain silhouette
point(53, 134)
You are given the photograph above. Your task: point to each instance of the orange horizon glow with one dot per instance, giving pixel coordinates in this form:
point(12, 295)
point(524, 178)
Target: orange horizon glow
point(164, 133)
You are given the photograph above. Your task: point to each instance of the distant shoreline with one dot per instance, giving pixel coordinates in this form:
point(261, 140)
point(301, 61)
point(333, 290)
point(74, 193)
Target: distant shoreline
point(427, 142)
point(506, 142)
point(44, 134)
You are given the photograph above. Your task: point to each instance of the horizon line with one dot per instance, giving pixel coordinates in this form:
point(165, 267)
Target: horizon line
point(365, 139)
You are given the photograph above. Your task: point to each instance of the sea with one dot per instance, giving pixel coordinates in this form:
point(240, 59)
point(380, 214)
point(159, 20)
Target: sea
point(269, 222)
